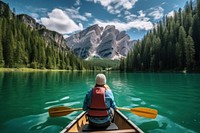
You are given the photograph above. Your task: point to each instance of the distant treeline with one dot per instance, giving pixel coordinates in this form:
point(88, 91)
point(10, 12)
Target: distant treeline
point(21, 46)
point(173, 44)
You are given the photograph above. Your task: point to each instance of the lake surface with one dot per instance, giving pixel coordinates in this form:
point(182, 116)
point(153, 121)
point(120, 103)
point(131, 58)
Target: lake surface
point(26, 96)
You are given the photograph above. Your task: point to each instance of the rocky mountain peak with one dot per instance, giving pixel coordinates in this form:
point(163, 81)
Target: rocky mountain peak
point(5, 10)
point(30, 22)
point(51, 37)
point(100, 42)
point(27, 20)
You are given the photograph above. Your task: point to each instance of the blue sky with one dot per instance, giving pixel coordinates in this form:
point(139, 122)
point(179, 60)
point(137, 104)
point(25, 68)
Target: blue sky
point(136, 17)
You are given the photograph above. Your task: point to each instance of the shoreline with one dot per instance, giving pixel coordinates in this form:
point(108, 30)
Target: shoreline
point(33, 70)
point(43, 70)
point(60, 70)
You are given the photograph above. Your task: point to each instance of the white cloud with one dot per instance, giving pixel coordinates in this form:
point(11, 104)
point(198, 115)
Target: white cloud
point(36, 12)
point(133, 17)
point(175, 6)
point(130, 17)
point(78, 3)
point(122, 26)
point(128, 4)
point(163, 3)
point(157, 12)
point(89, 15)
point(74, 14)
point(58, 20)
point(39, 10)
point(35, 15)
point(116, 6)
point(37, 20)
point(141, 13)
point(170, 14)
point(66, 36)
point(127, 13)
point(112, 10)
point(104, 2)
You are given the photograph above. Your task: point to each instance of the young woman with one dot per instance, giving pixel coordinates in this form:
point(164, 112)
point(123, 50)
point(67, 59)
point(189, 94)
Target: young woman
point(99, 103)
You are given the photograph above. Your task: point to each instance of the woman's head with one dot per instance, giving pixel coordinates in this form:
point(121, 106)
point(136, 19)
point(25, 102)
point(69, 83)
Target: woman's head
point(100, 79)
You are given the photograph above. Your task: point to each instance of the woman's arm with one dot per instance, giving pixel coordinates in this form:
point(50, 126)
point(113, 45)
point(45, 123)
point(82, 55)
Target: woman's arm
point(112, 100)
point(87, 101)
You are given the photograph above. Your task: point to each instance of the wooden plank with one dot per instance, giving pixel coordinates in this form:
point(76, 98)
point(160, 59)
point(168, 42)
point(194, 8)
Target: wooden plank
point(118, 131)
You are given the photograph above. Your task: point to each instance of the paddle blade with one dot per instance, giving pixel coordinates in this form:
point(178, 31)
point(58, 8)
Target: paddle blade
point(61, 111)
point(145, 112)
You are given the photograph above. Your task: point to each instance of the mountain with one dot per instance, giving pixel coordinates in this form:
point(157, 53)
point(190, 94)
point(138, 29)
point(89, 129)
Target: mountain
point(96, 41)
point(26, 44)
point(50, 36)
point(5, 10)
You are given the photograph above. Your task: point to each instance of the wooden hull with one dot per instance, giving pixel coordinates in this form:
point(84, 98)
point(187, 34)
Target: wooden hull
point(121, 121)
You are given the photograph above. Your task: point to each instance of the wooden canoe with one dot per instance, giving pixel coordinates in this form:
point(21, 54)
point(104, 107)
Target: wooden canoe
point(121, 121)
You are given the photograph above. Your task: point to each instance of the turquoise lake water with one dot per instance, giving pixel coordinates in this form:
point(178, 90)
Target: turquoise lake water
point(26, 96)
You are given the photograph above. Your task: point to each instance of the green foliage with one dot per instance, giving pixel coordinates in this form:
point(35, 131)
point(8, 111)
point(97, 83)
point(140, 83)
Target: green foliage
point(1, 47)
point(103, 64)
point(189, 52)
point(22, 47)
point(34, 65)
point(174, 44)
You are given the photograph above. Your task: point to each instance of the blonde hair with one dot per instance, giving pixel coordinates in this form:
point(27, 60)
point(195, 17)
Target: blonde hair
point(105, 86)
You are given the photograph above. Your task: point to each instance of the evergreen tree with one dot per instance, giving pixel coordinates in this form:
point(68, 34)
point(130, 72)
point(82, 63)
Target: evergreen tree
point(122, 65)
point(182, 44)
point(173, 44)
point(49, 63)
point(18, 55)
point(8, 47)
point(42, 55)
point(196, 33)
point(22, 47)
point(189, 52)
point(1, 47)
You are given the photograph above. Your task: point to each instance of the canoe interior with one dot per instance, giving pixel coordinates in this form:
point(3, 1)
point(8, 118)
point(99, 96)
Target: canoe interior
point(122, 122)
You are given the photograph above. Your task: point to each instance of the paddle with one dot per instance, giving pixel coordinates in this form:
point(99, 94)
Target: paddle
point(140, 111)
point(61, 111)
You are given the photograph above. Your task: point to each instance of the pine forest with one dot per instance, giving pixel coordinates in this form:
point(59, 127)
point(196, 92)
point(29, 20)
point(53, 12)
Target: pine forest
point(173, 44)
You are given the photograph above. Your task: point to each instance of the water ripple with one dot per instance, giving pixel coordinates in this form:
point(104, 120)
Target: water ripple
point(51, 102)
point(175, 96)
point(64, 98)
point(68, 104)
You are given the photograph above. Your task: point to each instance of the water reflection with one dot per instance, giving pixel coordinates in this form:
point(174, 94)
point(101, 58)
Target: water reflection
point(152, 125)
point(26, 97)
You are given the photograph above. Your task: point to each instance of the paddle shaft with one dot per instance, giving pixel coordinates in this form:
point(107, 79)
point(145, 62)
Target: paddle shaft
point(140, 111)
point(125, 109)
point(67, 110)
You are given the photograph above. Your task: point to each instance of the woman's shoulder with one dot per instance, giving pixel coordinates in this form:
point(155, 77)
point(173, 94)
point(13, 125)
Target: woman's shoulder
point(107, 87)
point(89, 91)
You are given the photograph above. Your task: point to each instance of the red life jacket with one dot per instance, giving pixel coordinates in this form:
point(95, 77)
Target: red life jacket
point(98, 104)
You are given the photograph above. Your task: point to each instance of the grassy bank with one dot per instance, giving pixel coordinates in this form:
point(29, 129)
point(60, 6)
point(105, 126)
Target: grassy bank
point(41, 70)
point(27, 70)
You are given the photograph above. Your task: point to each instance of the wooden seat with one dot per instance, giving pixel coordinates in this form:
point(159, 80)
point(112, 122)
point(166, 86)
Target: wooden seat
point(88, 128)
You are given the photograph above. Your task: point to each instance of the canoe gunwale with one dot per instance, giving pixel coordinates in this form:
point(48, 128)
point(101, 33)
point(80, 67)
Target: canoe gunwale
point(73, 122)
point(128, 121)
